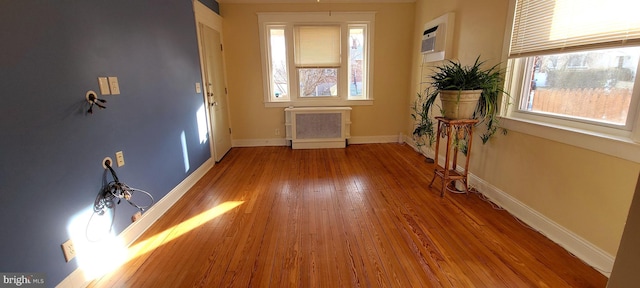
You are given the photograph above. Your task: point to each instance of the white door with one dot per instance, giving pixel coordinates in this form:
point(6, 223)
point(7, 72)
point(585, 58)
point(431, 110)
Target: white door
point(215, 90)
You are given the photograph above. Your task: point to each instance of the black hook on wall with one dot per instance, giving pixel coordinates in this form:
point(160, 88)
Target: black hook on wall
point(93, 99)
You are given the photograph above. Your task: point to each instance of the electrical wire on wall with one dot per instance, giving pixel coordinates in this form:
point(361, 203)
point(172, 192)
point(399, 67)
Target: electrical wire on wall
point(112, 194)
point(92, 98)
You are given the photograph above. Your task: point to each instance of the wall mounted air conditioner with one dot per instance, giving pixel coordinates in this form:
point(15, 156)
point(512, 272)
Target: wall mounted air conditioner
point(430, 37)
point(437, 38)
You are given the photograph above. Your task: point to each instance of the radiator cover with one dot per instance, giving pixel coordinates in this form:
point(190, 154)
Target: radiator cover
point(317, 127)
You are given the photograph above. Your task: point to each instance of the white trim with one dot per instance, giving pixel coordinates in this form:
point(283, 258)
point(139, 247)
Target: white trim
point(409, 140)
point(205, 16)
point(508, 29)
point(616, 146)
point(321, 17)
point(74, 280)
point(285, 142)
point(375, 139)
point(133, 231)
point(576, 245)
point(319, 144)
point(572, 242)
point(136, 229)
point(259, 142)
point(319, 103)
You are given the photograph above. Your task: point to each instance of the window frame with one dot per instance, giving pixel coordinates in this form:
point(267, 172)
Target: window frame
point(289, 20)
point(622, 142)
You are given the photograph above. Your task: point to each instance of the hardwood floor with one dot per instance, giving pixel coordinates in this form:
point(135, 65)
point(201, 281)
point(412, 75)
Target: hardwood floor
point(356, 217)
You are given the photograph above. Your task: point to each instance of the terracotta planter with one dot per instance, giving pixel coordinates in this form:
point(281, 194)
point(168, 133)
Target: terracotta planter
point(459, 104)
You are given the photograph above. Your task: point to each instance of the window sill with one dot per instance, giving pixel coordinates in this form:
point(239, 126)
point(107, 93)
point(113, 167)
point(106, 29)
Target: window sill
point(617, 146)
point(319, 103)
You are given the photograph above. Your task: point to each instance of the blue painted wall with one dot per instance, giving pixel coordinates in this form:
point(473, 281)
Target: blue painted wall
point(51, 53)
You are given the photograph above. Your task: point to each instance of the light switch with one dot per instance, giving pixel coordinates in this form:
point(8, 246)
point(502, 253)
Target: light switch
point(198, 88)
point(113, 84)
point(104, 86)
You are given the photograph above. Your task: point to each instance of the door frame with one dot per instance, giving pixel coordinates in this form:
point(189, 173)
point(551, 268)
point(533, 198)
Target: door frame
point(205, 16)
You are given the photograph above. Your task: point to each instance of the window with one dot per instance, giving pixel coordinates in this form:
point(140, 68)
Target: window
point(314, 59)
point(357, 81)
point(317, 54)
point(574, 64)
point(278, 64)
point(593, 86)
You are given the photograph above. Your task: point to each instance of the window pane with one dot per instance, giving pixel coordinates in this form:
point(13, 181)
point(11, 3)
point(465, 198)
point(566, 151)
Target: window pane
point(357, 81)
point(595, 85)
point(279, 79)
point(318, 82)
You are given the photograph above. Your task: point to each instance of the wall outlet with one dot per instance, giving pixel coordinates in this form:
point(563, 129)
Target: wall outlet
point(120, 158)
point(277, 131)
point(68, 250)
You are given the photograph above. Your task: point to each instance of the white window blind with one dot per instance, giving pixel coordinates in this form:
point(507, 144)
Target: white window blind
point(555, 26)
point(317, 46)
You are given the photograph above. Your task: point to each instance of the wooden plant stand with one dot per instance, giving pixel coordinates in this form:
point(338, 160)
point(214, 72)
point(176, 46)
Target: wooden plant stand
point(462, 128)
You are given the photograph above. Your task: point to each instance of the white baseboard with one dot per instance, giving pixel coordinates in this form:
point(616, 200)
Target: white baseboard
point(135, 230)
point(375, 139)
point(259, 142)
point(284, 142)
point(428, 153)
point(74, 280)
point(317, 144)
point(576, 245)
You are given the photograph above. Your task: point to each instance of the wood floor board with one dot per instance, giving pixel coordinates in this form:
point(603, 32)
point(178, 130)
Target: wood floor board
point(362, 216)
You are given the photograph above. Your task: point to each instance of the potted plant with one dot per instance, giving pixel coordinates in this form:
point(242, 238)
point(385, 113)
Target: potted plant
point(423, 132)
point(466, 92)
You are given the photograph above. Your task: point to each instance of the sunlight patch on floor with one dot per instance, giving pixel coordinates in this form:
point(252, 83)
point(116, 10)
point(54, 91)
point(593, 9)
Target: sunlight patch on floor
point(179, 230)
point(101, 254)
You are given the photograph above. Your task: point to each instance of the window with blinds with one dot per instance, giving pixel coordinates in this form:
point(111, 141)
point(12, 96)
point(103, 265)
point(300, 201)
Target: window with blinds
point(317, 54)
point(317, 46)
point(316, 58)
point(575, 62)
point(549, 27)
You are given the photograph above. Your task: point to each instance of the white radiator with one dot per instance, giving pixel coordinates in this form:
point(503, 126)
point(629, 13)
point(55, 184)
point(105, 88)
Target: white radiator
point(318, 127)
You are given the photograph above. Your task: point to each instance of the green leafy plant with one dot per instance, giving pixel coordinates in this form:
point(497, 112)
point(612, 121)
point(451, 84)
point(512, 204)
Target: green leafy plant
point(423, 132)
point(453, 75)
